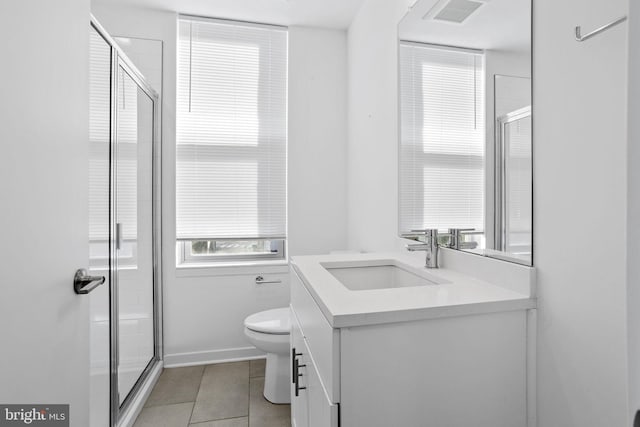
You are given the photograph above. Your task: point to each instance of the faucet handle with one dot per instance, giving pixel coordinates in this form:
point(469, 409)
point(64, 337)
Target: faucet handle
point(457, 234)
point(428, 232)
point(430, 246)
point(460, 230)
point(430, 235)
point(417, 247)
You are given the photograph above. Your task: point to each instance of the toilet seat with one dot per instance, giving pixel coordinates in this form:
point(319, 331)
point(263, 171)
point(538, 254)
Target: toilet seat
point(275, 322)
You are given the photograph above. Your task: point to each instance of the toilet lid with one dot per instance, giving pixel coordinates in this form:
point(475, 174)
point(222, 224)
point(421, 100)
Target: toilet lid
point(275, 321)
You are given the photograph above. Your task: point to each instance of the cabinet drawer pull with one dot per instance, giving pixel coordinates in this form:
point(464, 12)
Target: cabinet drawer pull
point(297, 376)
point(293, 364)
point(298, 388)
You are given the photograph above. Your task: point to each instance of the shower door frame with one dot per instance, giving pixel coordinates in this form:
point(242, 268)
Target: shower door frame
point(501, 162)
point(120, 60)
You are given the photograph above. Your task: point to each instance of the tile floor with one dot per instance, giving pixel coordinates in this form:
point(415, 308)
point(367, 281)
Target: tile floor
point(222, 395)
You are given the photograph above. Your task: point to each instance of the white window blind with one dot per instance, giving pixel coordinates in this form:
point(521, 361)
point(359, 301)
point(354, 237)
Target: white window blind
point(99, 145)
point(127, 155)
point(231, 130)
point(99, 137)
point(442, 146)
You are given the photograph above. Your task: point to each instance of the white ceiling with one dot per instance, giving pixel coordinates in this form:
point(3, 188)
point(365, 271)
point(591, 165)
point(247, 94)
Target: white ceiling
point(313, 13)
point(496, 25)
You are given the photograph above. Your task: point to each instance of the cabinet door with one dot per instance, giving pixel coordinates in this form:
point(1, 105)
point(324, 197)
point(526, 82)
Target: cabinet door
point(299, 404)
point(322, 413)
point(321, 338)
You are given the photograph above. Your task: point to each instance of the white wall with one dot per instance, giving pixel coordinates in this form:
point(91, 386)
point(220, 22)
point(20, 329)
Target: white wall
point(372, 157)
point(579, 150)
point(633, 212)
point(580, 193)
point(317, 140)
point(515, 64)
point(204, 309)
point(44, 133)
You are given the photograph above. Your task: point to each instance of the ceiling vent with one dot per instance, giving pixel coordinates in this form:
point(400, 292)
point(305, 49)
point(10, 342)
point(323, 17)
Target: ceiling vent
point(456, 11)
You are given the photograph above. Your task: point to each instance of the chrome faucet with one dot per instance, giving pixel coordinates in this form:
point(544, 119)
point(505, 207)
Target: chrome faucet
point(456, 238)
point(430, 245)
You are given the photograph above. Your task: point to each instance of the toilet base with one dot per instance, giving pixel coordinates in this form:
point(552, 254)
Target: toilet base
point(276, 378)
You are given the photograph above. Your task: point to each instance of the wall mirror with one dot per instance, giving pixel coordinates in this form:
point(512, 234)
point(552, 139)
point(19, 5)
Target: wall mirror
point(465, 125)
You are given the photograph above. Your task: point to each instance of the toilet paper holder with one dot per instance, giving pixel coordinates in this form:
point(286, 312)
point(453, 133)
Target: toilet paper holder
point(261, 281)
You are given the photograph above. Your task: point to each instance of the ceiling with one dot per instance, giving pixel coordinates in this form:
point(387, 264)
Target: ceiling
point(496, 25)
point(314, 13)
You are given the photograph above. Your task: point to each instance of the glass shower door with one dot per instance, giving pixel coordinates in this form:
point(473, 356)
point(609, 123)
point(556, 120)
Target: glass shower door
point(124, 234)
point(134, 232)
point(515, 191)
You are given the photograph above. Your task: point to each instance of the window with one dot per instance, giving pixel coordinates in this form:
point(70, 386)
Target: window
point(231, 141)
point(442, 148)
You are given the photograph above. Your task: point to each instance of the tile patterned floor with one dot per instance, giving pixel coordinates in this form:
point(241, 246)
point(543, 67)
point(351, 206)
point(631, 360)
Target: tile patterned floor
point(222, 395)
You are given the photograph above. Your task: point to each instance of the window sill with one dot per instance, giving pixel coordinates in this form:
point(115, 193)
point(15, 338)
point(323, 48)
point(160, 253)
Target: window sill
point(233, 268)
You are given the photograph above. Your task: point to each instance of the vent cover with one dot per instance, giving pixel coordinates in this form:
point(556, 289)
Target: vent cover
point(457, 10)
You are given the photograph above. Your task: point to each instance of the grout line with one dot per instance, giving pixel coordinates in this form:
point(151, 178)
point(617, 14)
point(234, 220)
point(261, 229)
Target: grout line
point(219, 419)
point(261, 375)
point(204, 368)
point(155, 405)
point(249, 397)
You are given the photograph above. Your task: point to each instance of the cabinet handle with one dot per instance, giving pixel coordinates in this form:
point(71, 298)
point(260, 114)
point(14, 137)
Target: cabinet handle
point(297, 378)
point(298, 388)
point(293, 364)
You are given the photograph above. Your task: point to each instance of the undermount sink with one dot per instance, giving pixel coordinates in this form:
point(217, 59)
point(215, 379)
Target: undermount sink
point(382, 275)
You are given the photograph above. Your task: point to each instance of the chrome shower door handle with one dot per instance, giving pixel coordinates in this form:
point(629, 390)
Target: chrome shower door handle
point(83, 283)
point(119, 238)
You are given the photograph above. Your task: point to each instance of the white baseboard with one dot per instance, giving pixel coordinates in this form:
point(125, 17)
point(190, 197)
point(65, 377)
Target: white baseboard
point(532, 391)
point(136, 406)
point(213, 356)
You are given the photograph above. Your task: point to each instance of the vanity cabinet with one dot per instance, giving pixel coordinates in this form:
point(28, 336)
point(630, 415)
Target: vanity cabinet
point(314, 404)
point(311, 406)
point(467, 370)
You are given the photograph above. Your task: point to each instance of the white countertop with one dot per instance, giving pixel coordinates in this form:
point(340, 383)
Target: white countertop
point(458, 295)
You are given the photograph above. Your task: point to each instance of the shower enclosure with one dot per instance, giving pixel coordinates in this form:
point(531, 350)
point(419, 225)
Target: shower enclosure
point(513, 184)
point(124, 232)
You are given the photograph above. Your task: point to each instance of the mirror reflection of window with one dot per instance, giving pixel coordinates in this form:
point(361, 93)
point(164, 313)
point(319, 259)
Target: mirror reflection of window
point(442, 149)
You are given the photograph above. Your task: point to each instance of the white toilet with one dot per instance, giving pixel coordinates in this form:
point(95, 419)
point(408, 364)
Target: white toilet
point(269, 332)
